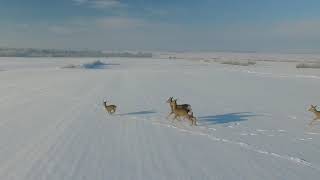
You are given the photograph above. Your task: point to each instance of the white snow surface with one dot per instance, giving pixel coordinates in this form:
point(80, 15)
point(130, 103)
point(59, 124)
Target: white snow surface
point(252, 121)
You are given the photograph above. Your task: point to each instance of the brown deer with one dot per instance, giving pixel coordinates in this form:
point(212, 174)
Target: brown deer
point(184, 106)
point(316, 113)
point(109, 108)
point(182, 113)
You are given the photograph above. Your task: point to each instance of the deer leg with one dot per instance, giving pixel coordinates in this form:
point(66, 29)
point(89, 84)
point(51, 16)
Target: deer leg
point(189, 119)
point(175, 117)
point(192, 122)
point(169, 115)
point(312, 122)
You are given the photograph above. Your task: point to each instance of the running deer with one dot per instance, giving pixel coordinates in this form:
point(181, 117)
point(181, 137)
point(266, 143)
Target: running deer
point(316, 113)
point(184, 106)
point(110, 108)
point(182, 113)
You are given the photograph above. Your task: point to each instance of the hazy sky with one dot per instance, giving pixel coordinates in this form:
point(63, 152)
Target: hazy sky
point(257, 25)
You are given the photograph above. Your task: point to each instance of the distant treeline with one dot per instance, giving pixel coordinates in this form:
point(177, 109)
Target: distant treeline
point(31, 52)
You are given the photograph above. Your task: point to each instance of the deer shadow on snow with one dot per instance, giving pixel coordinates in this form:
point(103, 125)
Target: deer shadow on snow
point(138, 113)
point(226, 118)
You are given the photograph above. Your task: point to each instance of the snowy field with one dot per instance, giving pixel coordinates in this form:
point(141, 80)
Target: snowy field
point(252, 120)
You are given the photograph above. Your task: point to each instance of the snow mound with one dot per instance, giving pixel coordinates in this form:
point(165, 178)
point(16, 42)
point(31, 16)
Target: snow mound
point(93, 65)
point(239, 63)
point(70, 66)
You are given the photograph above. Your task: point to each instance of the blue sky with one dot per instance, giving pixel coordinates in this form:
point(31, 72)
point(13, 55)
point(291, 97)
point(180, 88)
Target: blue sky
point(194, 25)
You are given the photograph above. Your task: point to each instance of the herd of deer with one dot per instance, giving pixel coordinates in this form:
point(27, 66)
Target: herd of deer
point(181, 111)
point(184, 111)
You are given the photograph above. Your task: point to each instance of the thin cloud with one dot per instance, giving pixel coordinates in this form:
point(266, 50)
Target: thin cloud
point(96, 26)
point(60, 30)
point(99, 3)
point(80, 1)
point(299, 29)
point(156, 12)
point(120, 22)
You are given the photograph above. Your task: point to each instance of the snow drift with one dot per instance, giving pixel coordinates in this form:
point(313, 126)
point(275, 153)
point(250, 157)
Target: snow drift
point(90, 65)
point(308, 65)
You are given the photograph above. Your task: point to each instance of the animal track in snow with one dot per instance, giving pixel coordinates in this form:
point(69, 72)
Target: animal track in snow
point(198, 130)
point(292, 117)
point(248, 134)
point(292, 159)
point(274, 131)
point(305, 139)
point(312, 133)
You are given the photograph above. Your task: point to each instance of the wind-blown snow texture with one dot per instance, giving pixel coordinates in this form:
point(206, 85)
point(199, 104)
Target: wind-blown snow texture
point(252, 121)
